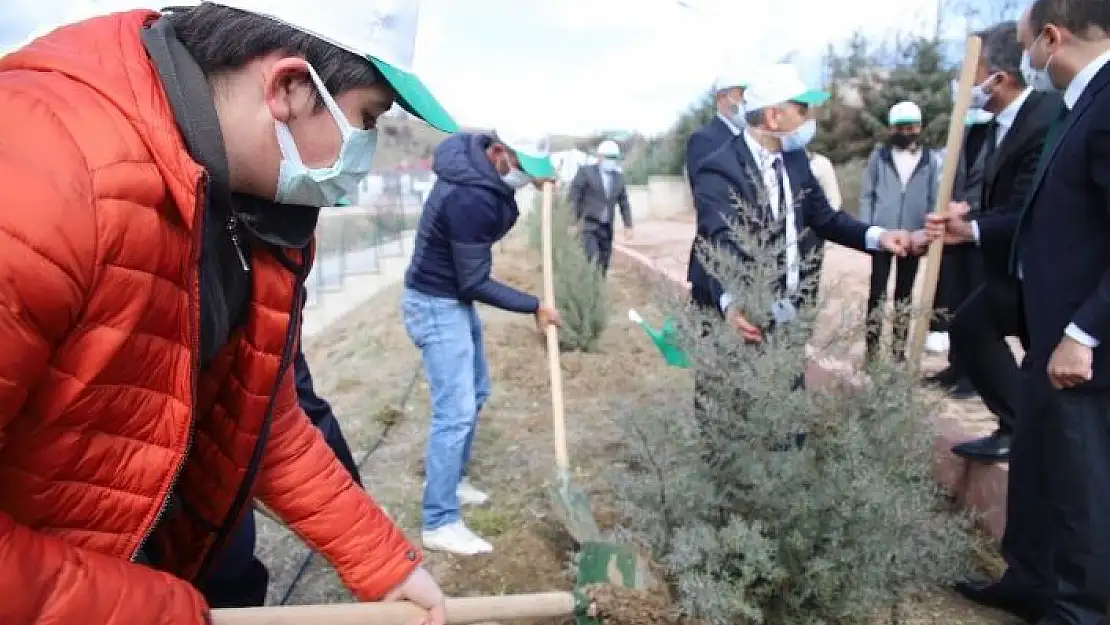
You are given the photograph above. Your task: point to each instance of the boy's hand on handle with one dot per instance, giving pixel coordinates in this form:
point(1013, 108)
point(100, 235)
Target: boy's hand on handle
point(421, 589)
point(547, 316)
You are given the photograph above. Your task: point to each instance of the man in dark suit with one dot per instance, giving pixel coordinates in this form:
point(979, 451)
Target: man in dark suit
point(726, 123)
point(595, 192)
point(954, 283)
point(1061, 262)
point(766, 166)
point(1014, 139)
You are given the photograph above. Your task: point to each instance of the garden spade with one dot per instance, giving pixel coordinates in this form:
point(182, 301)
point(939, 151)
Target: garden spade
point(598, 561)
point(944, 194)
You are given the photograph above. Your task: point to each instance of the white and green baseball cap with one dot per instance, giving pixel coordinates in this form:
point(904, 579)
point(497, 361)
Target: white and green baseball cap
point(779, 84)
point(382, 31)
point(534, 154)
point(904, 113)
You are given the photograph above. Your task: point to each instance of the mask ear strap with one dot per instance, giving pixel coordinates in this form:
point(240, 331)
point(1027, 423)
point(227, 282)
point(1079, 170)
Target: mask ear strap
point(287, 145)
point(345, 127)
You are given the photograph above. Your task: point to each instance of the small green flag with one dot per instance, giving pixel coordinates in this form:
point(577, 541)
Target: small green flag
point(665, 338)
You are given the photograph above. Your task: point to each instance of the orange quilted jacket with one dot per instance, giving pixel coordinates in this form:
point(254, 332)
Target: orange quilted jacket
point(102, 408)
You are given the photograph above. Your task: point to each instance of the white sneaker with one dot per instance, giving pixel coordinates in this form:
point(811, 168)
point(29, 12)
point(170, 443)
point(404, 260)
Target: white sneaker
point(470, 496)
point(936, 342)
point(455, 538)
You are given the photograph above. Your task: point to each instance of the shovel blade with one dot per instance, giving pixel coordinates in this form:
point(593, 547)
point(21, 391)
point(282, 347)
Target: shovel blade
point(573, 507)
point(617, 565)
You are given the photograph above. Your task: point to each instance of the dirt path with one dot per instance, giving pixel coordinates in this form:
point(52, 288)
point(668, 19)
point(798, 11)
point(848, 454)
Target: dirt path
point(365, 363)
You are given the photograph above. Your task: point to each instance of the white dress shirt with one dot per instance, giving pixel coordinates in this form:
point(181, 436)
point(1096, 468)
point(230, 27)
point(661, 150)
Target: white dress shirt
point(1072, 94)
point(764, 160)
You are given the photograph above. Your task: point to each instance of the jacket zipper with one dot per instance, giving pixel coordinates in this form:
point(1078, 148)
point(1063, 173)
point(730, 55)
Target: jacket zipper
point(232, 227)
point(194, 340)
point(256, 455)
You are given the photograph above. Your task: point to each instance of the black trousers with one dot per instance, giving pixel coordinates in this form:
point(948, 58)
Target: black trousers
point(1057, 538)
point(978, 331)
point(597, 239)
point(905, 271)
point(1077, 437)
point(239, 579)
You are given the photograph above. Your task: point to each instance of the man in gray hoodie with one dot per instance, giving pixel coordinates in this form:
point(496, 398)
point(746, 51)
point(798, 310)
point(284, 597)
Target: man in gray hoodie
point(897, 190)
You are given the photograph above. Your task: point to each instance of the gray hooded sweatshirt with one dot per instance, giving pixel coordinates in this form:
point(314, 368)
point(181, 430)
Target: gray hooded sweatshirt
point(885, 203)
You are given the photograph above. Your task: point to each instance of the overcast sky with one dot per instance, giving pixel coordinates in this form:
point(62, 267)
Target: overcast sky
point(577, 66)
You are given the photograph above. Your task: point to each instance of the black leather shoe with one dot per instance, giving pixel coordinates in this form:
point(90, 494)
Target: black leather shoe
point(993, 448)
point(1006, 597)
point(945, 377)
point(962, 389)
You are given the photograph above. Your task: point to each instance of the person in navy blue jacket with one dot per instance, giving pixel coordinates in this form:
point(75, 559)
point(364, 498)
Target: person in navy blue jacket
point(725, 125)
point(1059, 258)
point(471, 207)
point(766, 165)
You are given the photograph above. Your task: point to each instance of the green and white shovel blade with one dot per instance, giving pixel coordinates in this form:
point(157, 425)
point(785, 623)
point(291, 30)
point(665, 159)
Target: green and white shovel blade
point(616, 565)
point(665, 339)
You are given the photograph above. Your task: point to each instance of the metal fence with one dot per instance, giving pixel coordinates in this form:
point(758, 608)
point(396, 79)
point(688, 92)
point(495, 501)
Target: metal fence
point(354, 240)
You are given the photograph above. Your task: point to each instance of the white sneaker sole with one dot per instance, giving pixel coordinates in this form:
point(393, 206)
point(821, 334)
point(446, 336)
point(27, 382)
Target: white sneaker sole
point(468, 550)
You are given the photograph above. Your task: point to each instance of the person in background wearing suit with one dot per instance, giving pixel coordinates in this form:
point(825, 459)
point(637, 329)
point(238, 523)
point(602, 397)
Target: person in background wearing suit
point(770, 153)
point(1061, 264)
point(595, 192)
point(897, 189)
point(954, 283)
point(1013, 141)
point(725, 125)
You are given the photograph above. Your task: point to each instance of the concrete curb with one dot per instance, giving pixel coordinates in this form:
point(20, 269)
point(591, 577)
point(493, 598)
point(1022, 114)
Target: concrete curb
point(978, 487)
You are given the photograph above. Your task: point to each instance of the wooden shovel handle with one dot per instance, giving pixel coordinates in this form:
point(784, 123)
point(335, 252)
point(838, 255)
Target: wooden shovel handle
point(460, 611)
point(944, 196)
point(559, 424)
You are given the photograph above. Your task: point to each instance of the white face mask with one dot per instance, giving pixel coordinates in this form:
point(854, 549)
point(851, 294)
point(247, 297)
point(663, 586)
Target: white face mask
point(736, 114)
point(516, 179)
point(324, 186)
point(980, 96)
point(1037, 77)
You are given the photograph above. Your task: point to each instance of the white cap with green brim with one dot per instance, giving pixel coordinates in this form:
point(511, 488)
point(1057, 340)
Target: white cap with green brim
point(382, 31)
point(778, 84)
point(904, 113)
point(534, 154)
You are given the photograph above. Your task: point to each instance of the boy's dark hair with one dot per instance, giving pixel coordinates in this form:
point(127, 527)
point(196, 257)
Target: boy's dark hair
point(221, 39)
point(1086, 19)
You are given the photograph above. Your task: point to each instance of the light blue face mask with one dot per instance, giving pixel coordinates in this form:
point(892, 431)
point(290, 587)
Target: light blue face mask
point(1037, 77)
point(301, 185)
point(800, 138)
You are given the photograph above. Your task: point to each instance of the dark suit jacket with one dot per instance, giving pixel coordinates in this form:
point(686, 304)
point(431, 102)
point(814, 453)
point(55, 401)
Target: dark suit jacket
point(1008, 178)
point(731, 168)
point(704, 141)
point(968, 184)
point(1063, 235)
point(592, 205)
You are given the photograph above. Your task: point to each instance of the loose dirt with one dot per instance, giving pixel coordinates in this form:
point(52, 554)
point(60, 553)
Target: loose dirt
point(363, 366)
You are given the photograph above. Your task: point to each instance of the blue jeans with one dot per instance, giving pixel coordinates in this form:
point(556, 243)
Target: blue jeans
point(449, 335)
